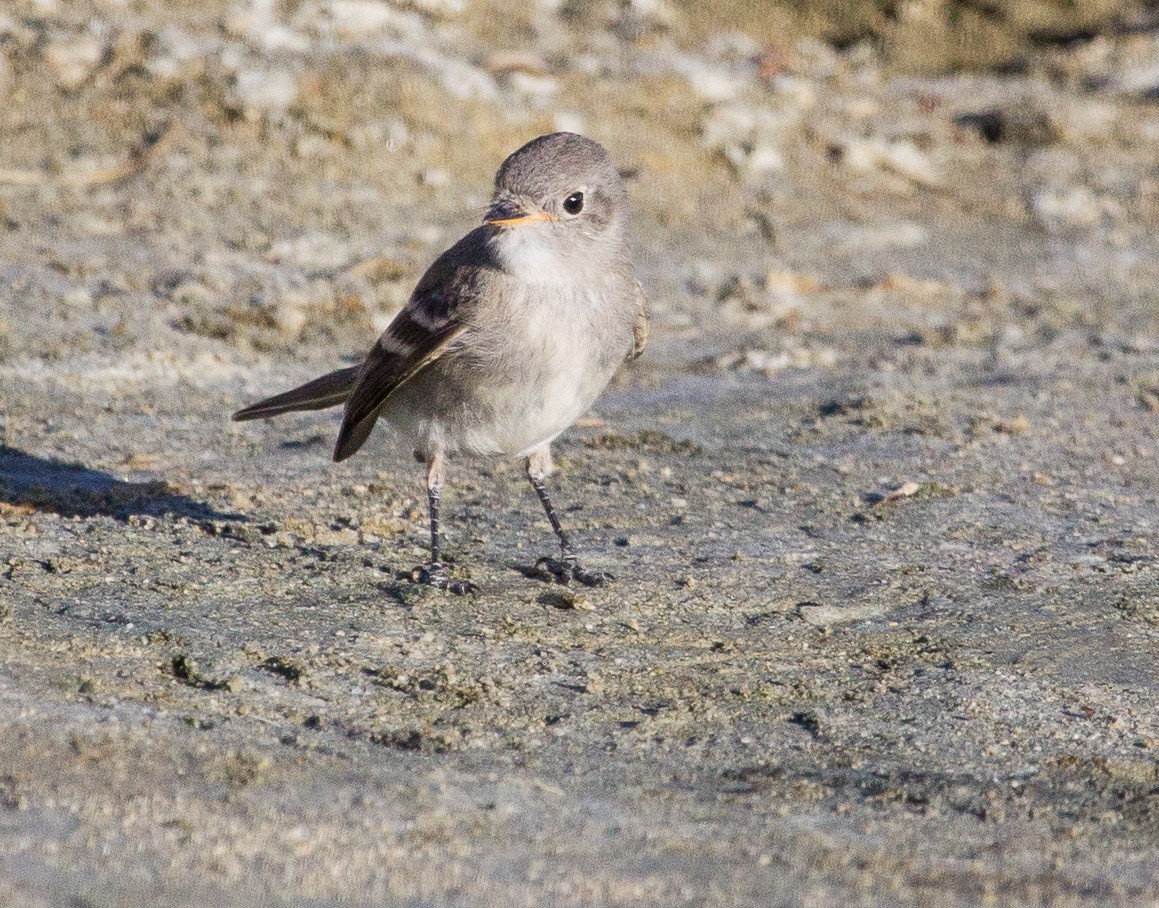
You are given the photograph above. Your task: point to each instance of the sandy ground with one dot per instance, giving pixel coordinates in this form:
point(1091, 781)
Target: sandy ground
point(880, 499)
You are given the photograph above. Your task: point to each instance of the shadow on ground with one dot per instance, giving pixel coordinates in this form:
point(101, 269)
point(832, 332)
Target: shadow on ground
point(42, 484)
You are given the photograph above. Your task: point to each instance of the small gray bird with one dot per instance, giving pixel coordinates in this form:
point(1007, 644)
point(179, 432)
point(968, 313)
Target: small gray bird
point(509, 336)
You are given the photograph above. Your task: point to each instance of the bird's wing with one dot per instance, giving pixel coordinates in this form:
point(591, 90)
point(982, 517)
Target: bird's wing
point(326, 391)
point(419, 334)
point(640, 328)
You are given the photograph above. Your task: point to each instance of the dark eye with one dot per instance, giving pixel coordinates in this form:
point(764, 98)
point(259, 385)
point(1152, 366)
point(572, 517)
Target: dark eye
point(574, 203)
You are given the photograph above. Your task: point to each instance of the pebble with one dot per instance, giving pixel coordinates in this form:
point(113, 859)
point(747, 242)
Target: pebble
point(899, 156)
point(73, 59)
point(434, 177)
point(257, 91)
point(531, 84)
point(315, 251)
point(1056, 208)
point(363, 17)
point(899, 235)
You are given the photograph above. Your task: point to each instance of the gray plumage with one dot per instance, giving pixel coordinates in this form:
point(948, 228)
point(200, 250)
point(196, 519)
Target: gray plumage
point(509, 336)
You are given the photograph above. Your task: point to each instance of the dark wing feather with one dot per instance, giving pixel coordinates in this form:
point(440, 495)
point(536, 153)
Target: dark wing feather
point(419, 335)
point(326, 391)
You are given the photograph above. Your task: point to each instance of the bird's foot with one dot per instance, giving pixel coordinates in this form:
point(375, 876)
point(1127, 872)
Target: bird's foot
point(435, 574)
point(565, 569)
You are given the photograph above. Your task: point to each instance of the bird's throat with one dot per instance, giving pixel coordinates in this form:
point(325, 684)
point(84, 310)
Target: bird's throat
point(532, 254)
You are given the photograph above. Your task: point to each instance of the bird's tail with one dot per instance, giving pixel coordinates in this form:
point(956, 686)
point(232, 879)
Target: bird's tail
point(326, 391)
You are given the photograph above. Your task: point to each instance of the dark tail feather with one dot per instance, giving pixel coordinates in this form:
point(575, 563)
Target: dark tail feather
point(352, 436)
point(327, 391)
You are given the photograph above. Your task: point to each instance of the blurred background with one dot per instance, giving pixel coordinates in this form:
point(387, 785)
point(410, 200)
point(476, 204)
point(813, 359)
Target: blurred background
point(236, 180)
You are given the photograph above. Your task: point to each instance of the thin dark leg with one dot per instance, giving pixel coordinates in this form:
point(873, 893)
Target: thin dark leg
point(435, 573)
point(549, 509)
point(433, 494)
point(568, 565)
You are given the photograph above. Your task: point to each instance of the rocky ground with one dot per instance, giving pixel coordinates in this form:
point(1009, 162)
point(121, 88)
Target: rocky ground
point(880, 498)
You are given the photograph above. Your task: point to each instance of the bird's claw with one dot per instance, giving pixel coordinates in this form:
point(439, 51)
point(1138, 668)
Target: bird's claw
point(436, 575)
point(564, 570)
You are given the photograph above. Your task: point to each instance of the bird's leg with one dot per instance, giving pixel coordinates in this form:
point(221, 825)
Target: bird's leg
point(567, 566)
point(435, 573)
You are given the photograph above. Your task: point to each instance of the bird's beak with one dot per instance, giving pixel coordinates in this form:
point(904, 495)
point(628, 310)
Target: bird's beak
point(508, 214)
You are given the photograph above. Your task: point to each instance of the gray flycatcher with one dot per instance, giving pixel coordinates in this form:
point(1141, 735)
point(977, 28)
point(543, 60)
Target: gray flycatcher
point(508, 338)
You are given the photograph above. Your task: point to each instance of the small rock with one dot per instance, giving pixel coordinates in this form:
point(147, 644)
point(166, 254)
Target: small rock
point(78, 298)
point(257, 91)
point(1069, 206)
point(820, 615)
point(899, 235)
point(899, 156)
point(312, 252)
point(73, 59)
point(532, 85)
point(363, 17)
point(569, 121)
point(434, 177)
point(173, 51)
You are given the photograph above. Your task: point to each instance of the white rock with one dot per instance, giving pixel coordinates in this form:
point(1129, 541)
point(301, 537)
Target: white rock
point(259, 90)
point(361, 17)
point(458, 77)
point(764, 159)
point(174, 50)
point(1140, 71)
point(904, 157)
point(78, 298)
point(822, 615)
point(290, 313)
point(570, 121)
point(749, 136)
point(531, 84)
point(796, 92)
point(434, 177)
point(1087, 121)
point(73, 59)
point(259, 24)
point(312, 145)
point(751, 162)
point(900, 235)
point(275, 36)
point(1066, 206)
point(899, 156)
point(713, 82)
point(312, 252)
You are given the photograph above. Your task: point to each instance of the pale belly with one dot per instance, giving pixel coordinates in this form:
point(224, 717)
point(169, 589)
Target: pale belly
point(512, 391)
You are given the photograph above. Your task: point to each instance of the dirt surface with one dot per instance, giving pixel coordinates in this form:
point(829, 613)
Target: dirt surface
point(881, 498)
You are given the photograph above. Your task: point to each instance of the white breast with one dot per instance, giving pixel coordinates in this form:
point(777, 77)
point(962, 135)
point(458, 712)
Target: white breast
point(534, 364)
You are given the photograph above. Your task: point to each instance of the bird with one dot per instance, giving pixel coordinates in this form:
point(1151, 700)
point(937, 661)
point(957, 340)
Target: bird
point(508, 337)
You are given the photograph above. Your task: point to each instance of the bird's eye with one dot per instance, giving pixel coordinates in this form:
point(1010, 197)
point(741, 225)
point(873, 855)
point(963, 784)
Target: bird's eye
point(574, 203)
